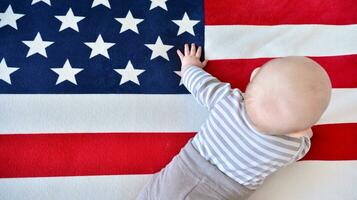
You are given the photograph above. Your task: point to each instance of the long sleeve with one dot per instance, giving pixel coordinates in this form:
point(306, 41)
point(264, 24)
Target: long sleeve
point(206, 89)
point(305, 147)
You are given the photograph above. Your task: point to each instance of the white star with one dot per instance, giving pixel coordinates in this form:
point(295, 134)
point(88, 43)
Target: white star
point(66, 73)
point(103, 2)
point(69, 20)
point(99, 47)
point(5, 71)
point(9, 18)
point(179, 74)
point(45, 1)
point(129, 23)
point(186, 25)
point(129, 74)
point(159, 49)
point(37, 46)
point(158, 3)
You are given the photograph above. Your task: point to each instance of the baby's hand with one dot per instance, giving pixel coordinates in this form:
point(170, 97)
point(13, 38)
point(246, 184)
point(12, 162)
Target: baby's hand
point(191, 57)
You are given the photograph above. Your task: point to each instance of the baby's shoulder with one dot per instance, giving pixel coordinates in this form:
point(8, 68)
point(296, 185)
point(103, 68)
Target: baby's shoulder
point(234, 102)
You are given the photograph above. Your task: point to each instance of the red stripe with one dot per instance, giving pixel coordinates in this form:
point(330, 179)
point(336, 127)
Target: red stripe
point(36, 155)
point(43, 155)
point(341, 69)
point(333, 142)
point(273, 12)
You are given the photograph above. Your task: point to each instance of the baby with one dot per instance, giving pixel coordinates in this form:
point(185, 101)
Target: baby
point(247, 136)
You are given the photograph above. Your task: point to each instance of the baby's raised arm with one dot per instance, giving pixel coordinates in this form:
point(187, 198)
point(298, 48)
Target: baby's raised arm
point(206, 89)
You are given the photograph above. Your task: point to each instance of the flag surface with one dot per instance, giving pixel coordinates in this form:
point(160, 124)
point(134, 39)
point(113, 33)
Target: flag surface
point(92, 103)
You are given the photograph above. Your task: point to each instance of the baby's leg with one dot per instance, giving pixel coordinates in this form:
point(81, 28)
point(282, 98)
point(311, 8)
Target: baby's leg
point(190, 177)
point(172, 182)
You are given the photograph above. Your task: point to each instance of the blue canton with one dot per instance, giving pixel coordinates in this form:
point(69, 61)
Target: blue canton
point(96, 46)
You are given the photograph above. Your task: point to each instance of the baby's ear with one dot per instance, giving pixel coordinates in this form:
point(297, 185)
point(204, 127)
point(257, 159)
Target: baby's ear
point(255, 71)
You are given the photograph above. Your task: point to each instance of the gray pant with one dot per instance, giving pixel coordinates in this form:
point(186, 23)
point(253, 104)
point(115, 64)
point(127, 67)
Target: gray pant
point(190, 177)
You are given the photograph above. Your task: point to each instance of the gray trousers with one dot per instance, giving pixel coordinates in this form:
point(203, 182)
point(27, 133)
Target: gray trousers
point(190, 177)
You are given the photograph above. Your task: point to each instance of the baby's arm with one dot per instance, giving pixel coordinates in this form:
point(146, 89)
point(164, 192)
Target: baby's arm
point(206, 89)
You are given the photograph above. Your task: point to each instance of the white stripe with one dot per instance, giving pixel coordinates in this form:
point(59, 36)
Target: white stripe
point(124, 187)
point(99, 113)
point(311, 180)
point(128, 113)
point(248, 41)
point(343, 107)
point(308, 180)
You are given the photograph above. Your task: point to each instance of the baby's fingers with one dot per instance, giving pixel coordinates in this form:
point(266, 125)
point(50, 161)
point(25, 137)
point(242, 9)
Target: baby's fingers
point(193, 49)
point(199, 51)
point(204, 63)
point(187, 51)
point(179, 53)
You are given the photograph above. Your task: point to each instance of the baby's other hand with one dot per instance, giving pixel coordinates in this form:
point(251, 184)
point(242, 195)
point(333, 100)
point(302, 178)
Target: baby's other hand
point(191, 57)
point(309, 133)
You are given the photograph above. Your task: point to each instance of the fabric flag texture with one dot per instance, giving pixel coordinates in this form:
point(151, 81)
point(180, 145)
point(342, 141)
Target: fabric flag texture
point(92, 102)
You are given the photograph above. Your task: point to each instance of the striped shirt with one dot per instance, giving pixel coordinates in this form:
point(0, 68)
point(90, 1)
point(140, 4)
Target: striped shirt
point(228, 140)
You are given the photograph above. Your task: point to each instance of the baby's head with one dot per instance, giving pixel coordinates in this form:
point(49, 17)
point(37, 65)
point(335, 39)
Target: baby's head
point(287, 95)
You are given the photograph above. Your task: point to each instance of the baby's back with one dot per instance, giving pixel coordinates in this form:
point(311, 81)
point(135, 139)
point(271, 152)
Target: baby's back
point(228, 141)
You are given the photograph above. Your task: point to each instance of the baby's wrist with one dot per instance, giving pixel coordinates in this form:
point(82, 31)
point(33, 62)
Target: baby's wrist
point(184, 68)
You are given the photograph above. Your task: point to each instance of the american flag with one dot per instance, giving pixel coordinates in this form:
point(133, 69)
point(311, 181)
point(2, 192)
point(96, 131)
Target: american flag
point(92, 103)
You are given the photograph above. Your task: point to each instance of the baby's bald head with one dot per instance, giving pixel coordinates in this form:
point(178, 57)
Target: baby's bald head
point(287, 95)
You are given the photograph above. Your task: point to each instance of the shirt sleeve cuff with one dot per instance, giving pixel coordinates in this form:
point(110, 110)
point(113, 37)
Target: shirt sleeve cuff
point(189, 73)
